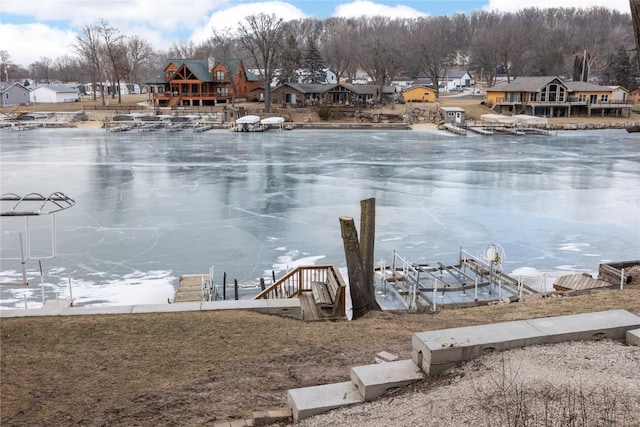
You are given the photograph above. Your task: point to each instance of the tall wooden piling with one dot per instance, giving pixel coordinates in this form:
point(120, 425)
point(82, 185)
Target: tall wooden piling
point(363, 296)
point(367, 237)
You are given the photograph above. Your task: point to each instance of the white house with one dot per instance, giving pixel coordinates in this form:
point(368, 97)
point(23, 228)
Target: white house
point(48, 94)
point(13, 94)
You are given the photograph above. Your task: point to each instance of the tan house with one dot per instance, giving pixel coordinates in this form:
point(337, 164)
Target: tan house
point(551, 97)
point(419, 93)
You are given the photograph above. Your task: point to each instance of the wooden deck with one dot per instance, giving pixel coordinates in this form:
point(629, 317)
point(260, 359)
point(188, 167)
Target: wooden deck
point(579, 282)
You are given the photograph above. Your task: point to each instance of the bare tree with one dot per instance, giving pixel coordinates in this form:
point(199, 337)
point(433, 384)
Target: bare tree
point(115, 52)
point(380, 53)
point(434, 48)
point(260, 35)
point(138, 53)
point(5, 62)
point(88, 45)
point(66, 68)
point(184, 49)
point(41, 69)
point(338, 54)
point(225, 51)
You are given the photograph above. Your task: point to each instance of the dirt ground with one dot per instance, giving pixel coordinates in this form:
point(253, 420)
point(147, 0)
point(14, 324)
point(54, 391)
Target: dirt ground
point(195, 368)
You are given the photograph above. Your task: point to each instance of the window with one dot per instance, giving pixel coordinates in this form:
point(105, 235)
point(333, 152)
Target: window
point(222, 91)
point(604, 97)
point(582, 97)
point(593, 99)
point(219, 75)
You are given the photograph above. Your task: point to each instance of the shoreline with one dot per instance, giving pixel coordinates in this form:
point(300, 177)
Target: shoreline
point(98, 124)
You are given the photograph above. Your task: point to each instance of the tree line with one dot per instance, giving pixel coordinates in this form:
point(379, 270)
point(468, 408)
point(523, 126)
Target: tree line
point(575, 43)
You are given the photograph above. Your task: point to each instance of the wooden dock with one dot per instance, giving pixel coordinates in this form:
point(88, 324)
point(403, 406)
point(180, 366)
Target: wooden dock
point(481, 130)
point(190, 287)
point(455, 129)
point(579, 282)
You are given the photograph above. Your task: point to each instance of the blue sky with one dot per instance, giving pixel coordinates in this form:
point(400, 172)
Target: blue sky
point(30, 31)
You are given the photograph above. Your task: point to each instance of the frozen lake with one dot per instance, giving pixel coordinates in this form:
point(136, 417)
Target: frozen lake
point(153, 206)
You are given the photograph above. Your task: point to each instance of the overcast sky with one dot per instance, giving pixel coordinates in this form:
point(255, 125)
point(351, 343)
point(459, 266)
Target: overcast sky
point(30, 30)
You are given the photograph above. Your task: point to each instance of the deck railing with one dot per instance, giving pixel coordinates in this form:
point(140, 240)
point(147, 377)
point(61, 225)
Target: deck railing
point(299, 280)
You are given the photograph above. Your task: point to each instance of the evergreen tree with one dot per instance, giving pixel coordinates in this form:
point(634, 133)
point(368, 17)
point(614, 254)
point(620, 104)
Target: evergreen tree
point(290, 62)
point(619, 70)
point(313, 64)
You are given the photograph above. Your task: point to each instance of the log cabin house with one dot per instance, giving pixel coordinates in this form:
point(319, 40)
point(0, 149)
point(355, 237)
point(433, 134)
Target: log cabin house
point(201, 82)
point(551, 97)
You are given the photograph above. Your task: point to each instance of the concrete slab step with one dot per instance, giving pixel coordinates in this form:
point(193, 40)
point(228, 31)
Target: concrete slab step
point(373, 381)
point(633, 337)
point(309, 401)
point(435, 351)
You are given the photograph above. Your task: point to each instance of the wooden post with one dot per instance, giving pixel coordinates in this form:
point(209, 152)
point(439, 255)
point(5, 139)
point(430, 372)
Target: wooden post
point(224, 286)
point(367, 238)
point(362, 296)
point(235, 288)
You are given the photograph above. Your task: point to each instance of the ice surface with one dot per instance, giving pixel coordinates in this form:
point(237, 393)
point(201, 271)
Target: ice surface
point(177, 203)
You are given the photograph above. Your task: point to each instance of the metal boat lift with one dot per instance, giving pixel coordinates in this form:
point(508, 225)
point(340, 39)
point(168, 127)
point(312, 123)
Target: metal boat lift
point(474, 280)
point(29, 206)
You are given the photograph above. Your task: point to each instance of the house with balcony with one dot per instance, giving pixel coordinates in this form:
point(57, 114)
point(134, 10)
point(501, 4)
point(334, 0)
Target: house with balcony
point(201, 82)
point(551, 97)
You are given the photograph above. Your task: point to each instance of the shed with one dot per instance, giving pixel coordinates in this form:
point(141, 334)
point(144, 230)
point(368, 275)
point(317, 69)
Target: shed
point(453, 115)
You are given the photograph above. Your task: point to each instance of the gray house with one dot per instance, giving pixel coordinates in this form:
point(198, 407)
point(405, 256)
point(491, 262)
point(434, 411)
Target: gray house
point(300, 94)
point(13, 94)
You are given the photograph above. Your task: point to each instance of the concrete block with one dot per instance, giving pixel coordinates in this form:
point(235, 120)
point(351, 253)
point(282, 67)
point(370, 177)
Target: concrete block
point(385, 356)
point(309, 401)
point(289, 307)
point(612, 324)
point(260, 418)
point(235, 305)
point(280, 415)
point(456, 344)
point(436, 351)
point(633, 337)
point(373, 381)
point(110, 309)
point(166, 308)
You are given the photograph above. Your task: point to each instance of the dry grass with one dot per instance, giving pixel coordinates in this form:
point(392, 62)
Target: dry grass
point(196, 367)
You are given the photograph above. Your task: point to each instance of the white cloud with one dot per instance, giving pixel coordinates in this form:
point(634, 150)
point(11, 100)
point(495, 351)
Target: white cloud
point(368, 8)
point(232, 16)
point(27, 43)
point(514, 5)
point(165, 14)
